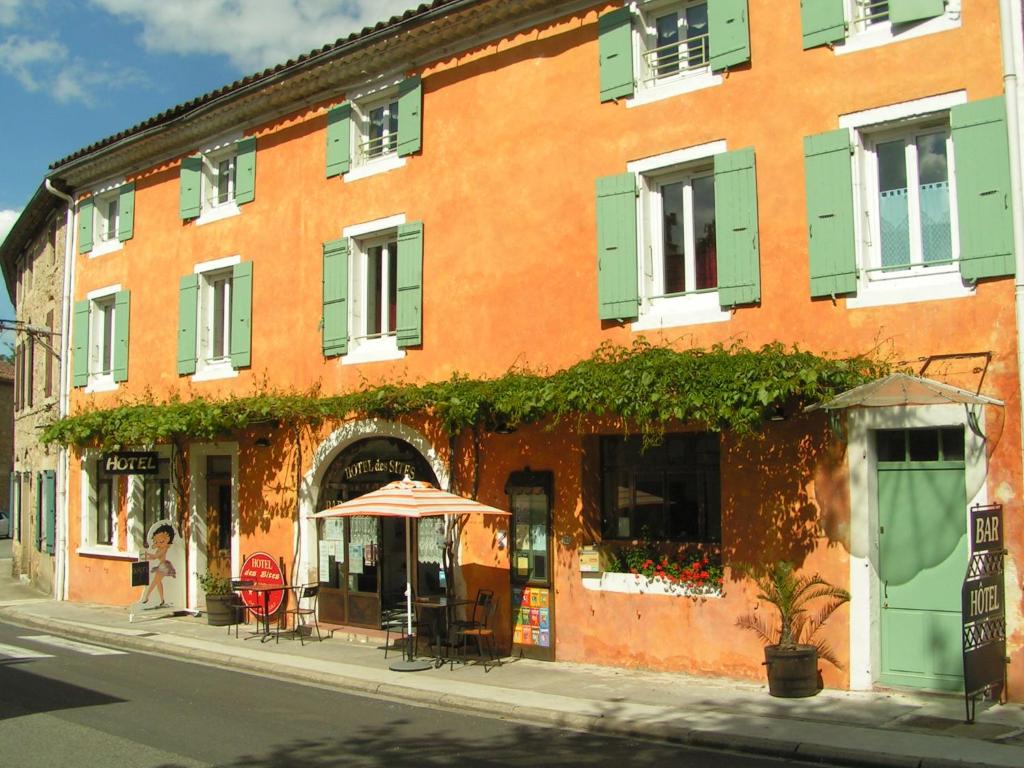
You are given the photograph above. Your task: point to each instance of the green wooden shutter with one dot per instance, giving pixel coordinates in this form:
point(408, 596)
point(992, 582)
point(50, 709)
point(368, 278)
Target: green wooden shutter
point(40, 534)
point(189, 204)
point(829, 181)
point(122, 302)
point(188, 307)
point(410, 115)
point(984, 214)
point(49, 493)
point(241, 315)
point(615, 52)
point(729, 33)
point(736, 236)
point(410, 284)
point(335, 293)
point(617, 294)
point(339, 139)
point(822, 22)
point(903, 11)
point(86, 214)
point(126, 212)
point(245, 171)
point(80, 342)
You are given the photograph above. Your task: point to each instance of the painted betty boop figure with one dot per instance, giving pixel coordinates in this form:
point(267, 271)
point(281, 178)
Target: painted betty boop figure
point(161, 537)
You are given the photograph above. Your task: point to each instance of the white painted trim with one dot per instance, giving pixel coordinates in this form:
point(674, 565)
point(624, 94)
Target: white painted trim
point(103, 383)
point(197, 511)
point(882, 33)
point(221, 142)
point(865, 627)
point(903, 110)
point(635, 584)
point(667, 161)
point(697, 309)
point(214, 371)
point(214, 264)
point(374, 167)
point(652, 93)
point(325, 453)
point(374, 351)
point(910, 289)
point(89, 467)
point(108, 246)
point(370, 227)
point(102, 293)
point(222, 211)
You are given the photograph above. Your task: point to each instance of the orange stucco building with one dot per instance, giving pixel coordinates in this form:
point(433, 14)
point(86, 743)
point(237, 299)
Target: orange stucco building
point(480, 186)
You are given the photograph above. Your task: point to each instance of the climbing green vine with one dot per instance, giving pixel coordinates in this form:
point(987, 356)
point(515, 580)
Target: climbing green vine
point(645, 386)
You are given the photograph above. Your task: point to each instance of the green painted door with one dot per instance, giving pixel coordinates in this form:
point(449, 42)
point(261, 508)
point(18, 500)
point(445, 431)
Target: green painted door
point(922, 511)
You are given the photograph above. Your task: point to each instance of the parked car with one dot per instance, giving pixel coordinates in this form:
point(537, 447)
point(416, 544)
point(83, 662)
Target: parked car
point(5, 525)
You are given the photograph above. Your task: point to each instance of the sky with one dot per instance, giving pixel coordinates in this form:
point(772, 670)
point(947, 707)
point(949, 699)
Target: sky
point(73, 72)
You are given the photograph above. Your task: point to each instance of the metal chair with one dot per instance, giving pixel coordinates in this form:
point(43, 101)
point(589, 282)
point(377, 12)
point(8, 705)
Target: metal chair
point(483, 598)
point(396, 620)
point(299, 614)
point(483, 631)
point(237, 604)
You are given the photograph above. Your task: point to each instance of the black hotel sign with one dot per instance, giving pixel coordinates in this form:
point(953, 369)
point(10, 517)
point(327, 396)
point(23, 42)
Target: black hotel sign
point(130, 463)
point(983, 607)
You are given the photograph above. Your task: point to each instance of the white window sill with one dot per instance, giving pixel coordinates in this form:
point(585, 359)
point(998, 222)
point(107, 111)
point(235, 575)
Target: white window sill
point(109, 552)
point(101, 384)
point(698, 309)
point(214, 371)
point(108, 246)
point(909, 289)
point(375, 166)
point(676, 87)
point(222, 211)
point(374, 351)
point(882, 34)
point(635, 584)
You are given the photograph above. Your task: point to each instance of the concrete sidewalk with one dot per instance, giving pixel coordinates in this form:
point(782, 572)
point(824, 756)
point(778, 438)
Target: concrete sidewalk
point(837, 727)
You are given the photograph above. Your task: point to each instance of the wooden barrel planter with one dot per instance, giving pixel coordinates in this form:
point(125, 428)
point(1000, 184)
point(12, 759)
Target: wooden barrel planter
point(792, 670)
point(221, 610)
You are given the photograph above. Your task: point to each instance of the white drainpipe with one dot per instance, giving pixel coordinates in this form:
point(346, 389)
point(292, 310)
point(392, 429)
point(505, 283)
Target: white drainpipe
point(1011, 35)
point(60, 587)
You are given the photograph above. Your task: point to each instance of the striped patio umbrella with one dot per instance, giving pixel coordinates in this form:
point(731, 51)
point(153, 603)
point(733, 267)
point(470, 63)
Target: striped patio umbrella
point(409, 499)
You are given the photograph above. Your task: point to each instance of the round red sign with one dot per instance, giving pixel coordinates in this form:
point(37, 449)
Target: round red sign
point(263, 570)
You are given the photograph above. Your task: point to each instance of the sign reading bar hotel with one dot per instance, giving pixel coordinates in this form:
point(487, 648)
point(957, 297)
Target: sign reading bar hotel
point(130, 463)
point(983, 607)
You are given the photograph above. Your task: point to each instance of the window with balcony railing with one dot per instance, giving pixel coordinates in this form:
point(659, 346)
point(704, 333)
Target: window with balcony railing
point(677, 41)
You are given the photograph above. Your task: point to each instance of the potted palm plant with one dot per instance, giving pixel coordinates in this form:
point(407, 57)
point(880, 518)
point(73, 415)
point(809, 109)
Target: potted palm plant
point(792, 648)
point(220, 605)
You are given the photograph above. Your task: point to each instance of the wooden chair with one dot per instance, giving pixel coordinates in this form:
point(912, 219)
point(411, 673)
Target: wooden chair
point(299, 614)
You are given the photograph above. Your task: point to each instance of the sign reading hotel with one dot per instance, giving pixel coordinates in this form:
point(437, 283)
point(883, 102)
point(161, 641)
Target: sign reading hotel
point(983, 607)
point(130, 463)
point(261, 568)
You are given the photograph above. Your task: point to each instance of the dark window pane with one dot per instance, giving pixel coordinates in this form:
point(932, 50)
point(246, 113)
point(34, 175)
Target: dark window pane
point(673, 238)
point(952, 443)
point(891, 445)
point(924, 445)
point(706, 258)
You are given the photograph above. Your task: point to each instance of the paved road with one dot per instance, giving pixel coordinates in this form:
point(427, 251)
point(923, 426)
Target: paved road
point(74, 704)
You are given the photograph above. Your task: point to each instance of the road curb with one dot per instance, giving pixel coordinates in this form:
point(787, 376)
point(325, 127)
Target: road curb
point(594, 723)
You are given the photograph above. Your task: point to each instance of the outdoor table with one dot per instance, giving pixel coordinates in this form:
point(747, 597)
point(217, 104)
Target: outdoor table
point(442, 612)
point(265, 590)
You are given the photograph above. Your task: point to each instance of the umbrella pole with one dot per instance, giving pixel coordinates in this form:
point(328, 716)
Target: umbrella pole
point(409, 664)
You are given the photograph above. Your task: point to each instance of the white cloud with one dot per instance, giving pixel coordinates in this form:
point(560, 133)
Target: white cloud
point(252, 34)
point(7, 219)
point(9, 11)
point(46, 65)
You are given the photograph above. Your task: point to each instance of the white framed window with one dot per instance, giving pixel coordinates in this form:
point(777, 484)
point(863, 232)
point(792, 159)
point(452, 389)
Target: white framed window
point(219, 174)
point(216, 280)
point(905, 203)
point(218, 179)
point(106, 210)
point(373, 288)
point(99, 534)
point(675, 40)
point(103, 335)
point(106, 218)
point(677, 237)
point(151, 497)
point(374, 132)
point(870, 23)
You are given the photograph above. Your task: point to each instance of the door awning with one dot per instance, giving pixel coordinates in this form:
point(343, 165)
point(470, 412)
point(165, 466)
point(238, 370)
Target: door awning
point(902, 389)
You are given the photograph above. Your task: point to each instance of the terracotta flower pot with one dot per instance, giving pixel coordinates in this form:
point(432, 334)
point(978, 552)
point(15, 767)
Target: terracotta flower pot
point(792, 670)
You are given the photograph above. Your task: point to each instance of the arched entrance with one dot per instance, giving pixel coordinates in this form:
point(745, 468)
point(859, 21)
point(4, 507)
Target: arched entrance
point(361, 560)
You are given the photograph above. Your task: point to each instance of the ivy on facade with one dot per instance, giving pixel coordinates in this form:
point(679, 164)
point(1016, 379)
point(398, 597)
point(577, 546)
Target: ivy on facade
point(646, 387)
